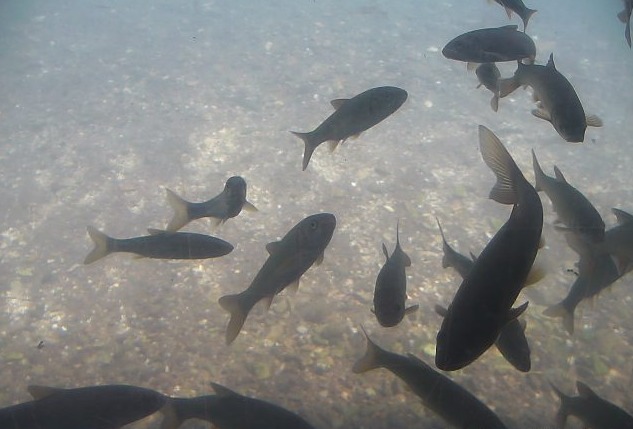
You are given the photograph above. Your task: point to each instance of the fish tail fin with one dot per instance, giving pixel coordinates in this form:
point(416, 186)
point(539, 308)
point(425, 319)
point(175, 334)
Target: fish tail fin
point(539, 174)
point(405, 258)
point(309, 147)
point(560, 310)
point(501, 163)
point(563, 411)
point(508, 86)
point(171, 419)
point(529, 14)
point(181, 211)
point(494, 102)
point(371, 359)
point(101, 248)
point(239, 308)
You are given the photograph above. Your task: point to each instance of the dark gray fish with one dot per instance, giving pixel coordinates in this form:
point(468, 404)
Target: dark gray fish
point(230, 410)
point(227, 204)
point(352, 117)
point(519, 8)
point(488, 75)
point(95, 407)
point(595, 412)
point(491, 45)
point(450, 401)
point(159, 244)
point(572, 207)
point(557, 101)
point(390, 292)
point(625, 18)
point(483, 303)
point(288, 259)
point(618, 241)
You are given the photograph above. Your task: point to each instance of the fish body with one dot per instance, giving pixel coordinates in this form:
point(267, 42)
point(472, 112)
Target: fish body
point(288, 259)
point(227, 204)
point(390, 292)
point(518, 7)
point(160, 245)
point(491, 45)
point(230, 410)
point(450, 401)
point(352, 117)
point(483, 303)
point(625, 17)
point(95, 407)
point(488, 75)
point(557, 100)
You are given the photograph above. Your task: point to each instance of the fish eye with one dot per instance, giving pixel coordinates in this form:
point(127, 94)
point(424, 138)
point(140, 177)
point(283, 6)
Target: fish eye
point(313, 225)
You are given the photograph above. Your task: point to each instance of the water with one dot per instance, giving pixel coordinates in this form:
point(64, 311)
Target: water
point(104, 104)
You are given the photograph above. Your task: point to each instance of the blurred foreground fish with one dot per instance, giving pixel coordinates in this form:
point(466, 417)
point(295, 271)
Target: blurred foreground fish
point(288, 259)
point(230, 410)
point(572, 207)
point(557, 101)
point(488, 75)
point(159, 244)
point(450, 401)
point(95, 407)
point(483, 303)
point(352, 117)
point(227, 204)
point(592, 410)
point(491, 45)
point(390, 292)
point(519, 8)
point(625, 17)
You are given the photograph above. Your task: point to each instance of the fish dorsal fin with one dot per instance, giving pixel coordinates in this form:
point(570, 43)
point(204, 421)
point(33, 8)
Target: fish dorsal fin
point(585, 391)
point(156, 231)
point(440, 310)
point(249, 207)
point(514, 313)
point(559, 175)
point(511, 27)
point(550, 61)
point(40, 392)
point(622, 216)
point(273, 247)
point(384, 250)
point(338, 103)
point(223, 391)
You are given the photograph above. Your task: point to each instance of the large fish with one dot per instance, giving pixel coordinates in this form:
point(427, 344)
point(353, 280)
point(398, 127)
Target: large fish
point(159, 244)
point(572, 207)
point(230, 410)
point(557, 101)
point(488, 75)
point(625, 17)
point(591, 409)
point(483, 303)
point(519, 8)
point(491, 45)
point(95, 407)
point(352, 117)
point(227, 204)
point(288, 259)
point(450, 401)
point(390, 292)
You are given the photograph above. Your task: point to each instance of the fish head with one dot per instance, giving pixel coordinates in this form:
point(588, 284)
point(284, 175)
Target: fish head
point(389, 309)
point(387, 99)
point(570, 125)
point(460, 49)
point(235, 195)
point(315, 231)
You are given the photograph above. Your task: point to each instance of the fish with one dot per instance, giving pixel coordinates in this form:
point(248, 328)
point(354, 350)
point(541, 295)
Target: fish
point(488, 75)
point(518, 7)
point(288, 259)
point(557, 101)
point(572, 207)
point(591, 409)
point(159, 244)
point(230, 410)
point(93, 407)
point(625, 17)
point(618, 241)
point(351, 117)
point(390, 292)
point(227, 204)
point(491, 45)
point(450, 401)
point(483, 303)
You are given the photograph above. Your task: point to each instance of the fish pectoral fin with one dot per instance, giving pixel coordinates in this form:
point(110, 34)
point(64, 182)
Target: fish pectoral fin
point(514, 313)
point(494, 103)
point(273, 247)
point(479, 86)
point(268, 301)
point(442, 311)
point(509, 12)
point(293, 287)
point(39, 392)
point(593, 121)
point(542, 114)
point(319, 259)
point(332, 144)
point(384, 250)
point(249, 207)
point(338, 102)
point(412, 309)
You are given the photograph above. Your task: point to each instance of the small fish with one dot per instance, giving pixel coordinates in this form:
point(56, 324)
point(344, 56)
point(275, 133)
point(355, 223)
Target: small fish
point(94, 407)
point(227, 204)
point(572, 207)
point(390, 293)
point(483, 303)
point(230, 410)
point(519, 8)
point(557, 101)
point(159, 244)
point(618, 241)
point(625, 18)
point(288, 259)
point(450, 401)
point(592, 410)
point(352, 117)
point(488, 75)
point(491, 45)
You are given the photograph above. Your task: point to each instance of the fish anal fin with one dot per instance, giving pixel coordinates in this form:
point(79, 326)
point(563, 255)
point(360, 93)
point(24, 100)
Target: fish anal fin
point(542, 114)
point(333, 144)
point(273, 247)
point(594, 121)
point(223, 391)
point(337, 103)
point(585, 391)
point(249, 207)
point(292, 287)
point(39, 392)
point(559, 175)
point(514, 313)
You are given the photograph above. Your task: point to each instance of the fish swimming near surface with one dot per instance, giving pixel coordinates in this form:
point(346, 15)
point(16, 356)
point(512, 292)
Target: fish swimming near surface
point(483, 303)
point(518, 7)
point(227, 204)
point(230, 410)
point(450, 401)
point(288, 259)
point(352, 117)
point(94, 407)
point(625, 18)
point(160, 245)
point(491, 45)
point(591, 409)
point(488, 75)
point(390, 292)
point(572, 207)
point(557, 101)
